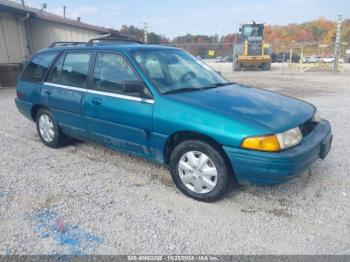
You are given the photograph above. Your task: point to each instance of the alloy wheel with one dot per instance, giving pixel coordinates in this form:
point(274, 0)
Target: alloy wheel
point(46, 128)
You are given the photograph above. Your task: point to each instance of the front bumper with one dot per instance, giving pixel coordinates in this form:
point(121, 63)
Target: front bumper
point(264, 168)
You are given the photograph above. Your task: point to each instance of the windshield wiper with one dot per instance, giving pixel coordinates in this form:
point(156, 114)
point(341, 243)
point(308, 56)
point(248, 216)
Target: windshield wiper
point(181, 90)
point(216, 85)
point(188, 89)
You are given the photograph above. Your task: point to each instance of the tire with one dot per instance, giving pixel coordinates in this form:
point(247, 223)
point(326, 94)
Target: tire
point(187, 181)
point(237, 66)
point(266, 66)
point(49, 131)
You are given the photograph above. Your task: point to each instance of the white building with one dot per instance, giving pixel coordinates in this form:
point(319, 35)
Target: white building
point(25, 30)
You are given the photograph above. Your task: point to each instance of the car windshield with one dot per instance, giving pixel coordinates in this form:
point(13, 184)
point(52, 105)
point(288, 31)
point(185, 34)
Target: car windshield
point(252, 30)
point(173, 71)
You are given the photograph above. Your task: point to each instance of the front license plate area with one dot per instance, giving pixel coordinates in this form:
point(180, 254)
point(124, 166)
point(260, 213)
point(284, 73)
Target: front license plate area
point(326, 146)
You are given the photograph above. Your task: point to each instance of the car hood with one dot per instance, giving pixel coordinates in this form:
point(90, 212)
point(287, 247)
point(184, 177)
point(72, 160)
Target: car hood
point(273, 111)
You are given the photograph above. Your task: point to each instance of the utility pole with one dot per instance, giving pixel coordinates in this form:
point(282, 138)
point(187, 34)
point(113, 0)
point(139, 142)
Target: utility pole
point(64, 11)
point(146, 32)
point(337, 45)
point(284, 58)
point(24, 6)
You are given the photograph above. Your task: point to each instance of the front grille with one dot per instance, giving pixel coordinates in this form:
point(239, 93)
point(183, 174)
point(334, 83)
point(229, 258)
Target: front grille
point(307, 127)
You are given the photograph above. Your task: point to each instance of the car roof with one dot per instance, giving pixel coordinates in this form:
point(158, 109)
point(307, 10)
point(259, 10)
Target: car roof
point(111, 47)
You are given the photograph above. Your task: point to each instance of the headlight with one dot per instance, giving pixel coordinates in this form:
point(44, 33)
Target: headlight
point(274, 143)
point(316, 117)
point(289, 138)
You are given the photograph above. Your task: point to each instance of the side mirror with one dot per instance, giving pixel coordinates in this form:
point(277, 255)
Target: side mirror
point(219, 72)
point(138, 87)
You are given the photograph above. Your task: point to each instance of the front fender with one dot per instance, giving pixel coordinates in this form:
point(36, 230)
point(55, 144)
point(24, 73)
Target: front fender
point(171, 116)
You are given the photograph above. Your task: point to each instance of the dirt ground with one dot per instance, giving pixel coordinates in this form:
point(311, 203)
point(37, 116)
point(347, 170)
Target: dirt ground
point(86, 199)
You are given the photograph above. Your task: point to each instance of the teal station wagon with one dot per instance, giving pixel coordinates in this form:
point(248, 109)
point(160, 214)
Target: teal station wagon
point(163, 104)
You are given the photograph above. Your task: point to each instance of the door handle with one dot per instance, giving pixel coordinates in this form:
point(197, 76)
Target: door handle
point(48, 92)
point(96, 101)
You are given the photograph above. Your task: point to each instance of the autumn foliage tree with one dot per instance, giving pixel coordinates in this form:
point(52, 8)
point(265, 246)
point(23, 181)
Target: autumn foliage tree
point(318, 31)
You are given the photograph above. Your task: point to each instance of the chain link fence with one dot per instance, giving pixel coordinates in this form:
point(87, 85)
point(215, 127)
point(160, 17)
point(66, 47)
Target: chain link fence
point(208, 50)
point(309, 56)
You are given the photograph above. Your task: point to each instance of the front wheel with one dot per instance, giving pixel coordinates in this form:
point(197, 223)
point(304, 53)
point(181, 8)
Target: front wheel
point(266, 66)
point(200, 171)
point(237, 66)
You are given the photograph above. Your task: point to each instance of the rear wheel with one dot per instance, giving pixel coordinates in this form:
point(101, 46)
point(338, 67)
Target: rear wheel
point(200, 171)
point(49, 132)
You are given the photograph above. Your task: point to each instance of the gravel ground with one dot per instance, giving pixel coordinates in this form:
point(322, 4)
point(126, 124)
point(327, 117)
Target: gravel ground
point(86, 199)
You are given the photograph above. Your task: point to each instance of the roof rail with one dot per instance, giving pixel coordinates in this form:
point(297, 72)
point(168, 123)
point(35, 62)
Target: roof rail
point(121, 39)
point(56, 44)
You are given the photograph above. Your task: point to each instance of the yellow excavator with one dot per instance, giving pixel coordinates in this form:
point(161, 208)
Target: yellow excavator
point(251, 51)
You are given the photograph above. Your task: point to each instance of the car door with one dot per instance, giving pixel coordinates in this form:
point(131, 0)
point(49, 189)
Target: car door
point(65, 87)
point(113, 117)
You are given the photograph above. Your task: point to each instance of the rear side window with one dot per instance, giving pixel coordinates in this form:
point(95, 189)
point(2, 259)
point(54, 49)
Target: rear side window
point(75, 69)
point(37, 67)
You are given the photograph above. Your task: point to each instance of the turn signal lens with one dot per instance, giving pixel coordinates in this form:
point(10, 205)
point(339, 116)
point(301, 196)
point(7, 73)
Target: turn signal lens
point(262, 143)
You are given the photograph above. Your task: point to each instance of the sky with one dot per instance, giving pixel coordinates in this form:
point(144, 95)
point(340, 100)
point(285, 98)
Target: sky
point(178, 17)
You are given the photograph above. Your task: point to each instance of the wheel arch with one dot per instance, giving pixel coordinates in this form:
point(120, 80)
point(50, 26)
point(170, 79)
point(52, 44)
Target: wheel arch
point(35, 109)
point(181, 136)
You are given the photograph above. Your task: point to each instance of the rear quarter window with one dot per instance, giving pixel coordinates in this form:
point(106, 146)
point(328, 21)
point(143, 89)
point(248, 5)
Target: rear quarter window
point(38, 66)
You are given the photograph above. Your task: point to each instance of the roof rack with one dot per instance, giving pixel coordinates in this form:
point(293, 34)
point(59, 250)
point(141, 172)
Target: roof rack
point(114, 39)
point(56, 44)
point(121, 39)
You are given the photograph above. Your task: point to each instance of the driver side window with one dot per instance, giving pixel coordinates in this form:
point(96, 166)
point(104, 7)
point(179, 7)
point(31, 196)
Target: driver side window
point(110, 71)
